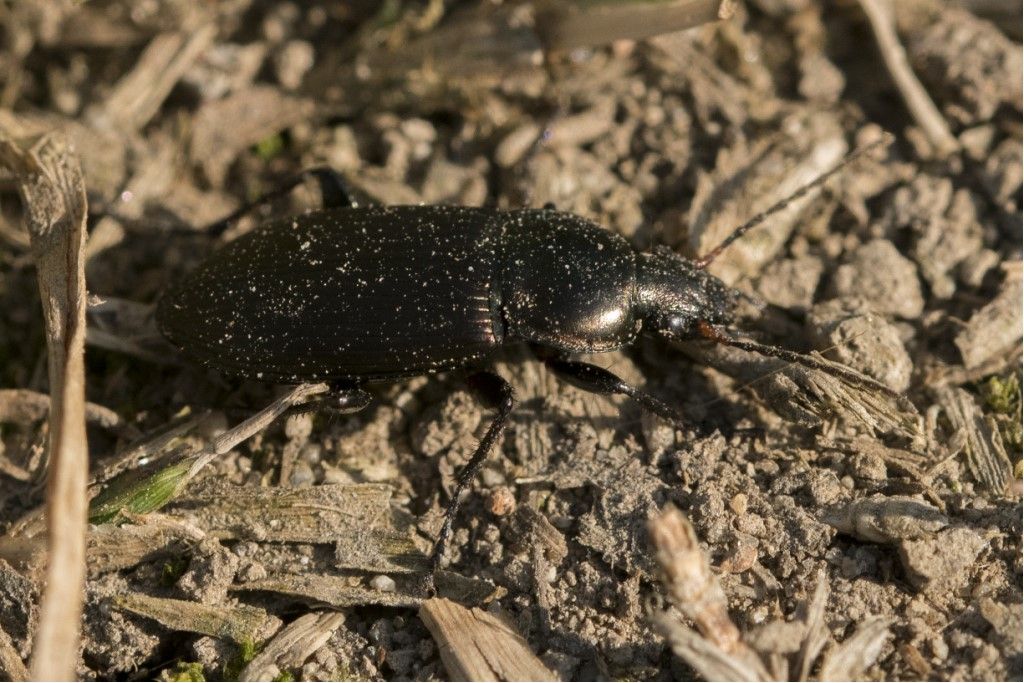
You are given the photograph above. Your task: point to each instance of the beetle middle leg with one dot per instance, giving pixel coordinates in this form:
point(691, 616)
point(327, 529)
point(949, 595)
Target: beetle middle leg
point(498, 394)
point(597, 380)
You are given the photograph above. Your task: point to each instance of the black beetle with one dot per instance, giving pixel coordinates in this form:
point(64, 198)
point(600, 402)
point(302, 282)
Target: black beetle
point(351, 294)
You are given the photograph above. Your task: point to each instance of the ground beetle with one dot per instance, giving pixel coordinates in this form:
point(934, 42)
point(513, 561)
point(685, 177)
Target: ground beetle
point(354, 294)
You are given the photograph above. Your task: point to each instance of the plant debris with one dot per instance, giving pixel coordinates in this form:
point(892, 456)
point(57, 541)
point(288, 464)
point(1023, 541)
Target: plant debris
point(861, 520)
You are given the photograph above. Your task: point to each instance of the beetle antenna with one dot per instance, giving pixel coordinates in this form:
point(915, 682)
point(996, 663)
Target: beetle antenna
point(705, 260)
point(836, 370)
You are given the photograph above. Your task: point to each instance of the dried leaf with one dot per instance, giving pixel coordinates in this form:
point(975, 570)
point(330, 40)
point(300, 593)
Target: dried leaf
point(986, 456)
point(851, 659)
point(710, 661)
point(478, 646)
point(243, 623)
point(319, 514)
point(292, 646)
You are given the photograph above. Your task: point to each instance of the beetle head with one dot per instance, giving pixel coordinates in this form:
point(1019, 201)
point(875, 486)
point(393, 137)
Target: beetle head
point(674, 295)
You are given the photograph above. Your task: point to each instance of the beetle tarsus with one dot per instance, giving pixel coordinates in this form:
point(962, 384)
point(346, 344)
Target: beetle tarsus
point(344, 400)
point(500, 395)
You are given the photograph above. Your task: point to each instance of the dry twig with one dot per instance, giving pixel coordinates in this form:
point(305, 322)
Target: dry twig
point(580, 23)
point(916, 97)
point(50, 182)
point(139, 95)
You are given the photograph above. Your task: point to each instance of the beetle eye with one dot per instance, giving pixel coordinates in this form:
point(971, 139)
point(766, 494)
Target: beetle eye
point(675, 326)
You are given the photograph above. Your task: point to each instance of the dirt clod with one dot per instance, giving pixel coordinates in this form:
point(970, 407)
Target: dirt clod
point(856, 520)
point(886, 280)
point(941, 561)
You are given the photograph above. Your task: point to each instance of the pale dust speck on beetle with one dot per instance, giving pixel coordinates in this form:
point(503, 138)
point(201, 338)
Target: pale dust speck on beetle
point(355, 294)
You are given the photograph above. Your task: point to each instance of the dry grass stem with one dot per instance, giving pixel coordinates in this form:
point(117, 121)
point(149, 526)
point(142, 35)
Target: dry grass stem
point(11, 666)
point(696, 592)
point(140, 492)
point(922, 108)
point(349, 590)
point(810, 396)
point(319, 514)
point(579, 23)
point(25, 406)
point(719, 651)
point(817, 631)
point(52, 191)
point(710, 661)
point(250, 427)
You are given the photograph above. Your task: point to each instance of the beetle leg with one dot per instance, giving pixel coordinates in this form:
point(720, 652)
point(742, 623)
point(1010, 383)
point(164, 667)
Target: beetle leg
point(346, 399)
point(335, 192)
point(498, 394)
point(597, 380)
point(340, 400)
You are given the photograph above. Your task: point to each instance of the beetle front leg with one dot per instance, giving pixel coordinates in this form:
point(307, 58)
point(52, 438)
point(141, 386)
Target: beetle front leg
point(500, 395)
point(597, 380)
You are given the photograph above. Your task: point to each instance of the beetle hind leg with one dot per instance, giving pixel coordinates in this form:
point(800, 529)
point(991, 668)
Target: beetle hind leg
point(597, 380)
point(335, 192)
point(497, 393)
point(342, 399)
point(345, 400)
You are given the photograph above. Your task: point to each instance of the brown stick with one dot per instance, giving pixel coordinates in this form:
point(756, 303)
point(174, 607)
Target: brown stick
point(52, 191)
point(916, 97)
point(568, 24)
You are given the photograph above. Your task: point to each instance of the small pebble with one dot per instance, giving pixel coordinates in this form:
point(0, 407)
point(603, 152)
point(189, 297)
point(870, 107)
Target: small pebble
point(383, 583)
point(298, 427)
point(868, 466)
point(742, 558)
point(302, 475)
point(863, 340)
point(251, 571)
point(292, 63)
point(738, 504)
point(501, 501)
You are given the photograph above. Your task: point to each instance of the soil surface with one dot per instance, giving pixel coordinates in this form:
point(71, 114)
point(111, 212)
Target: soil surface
point(904, 267)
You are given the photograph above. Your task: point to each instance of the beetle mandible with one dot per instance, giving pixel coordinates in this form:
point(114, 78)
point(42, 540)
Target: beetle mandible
point(357, 294)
